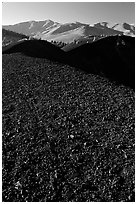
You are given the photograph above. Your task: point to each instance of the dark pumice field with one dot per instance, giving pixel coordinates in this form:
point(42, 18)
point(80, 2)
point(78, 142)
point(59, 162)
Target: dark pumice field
point(67, 135)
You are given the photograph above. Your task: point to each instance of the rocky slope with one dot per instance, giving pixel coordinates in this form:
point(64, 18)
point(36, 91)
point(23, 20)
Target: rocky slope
point(67, 136)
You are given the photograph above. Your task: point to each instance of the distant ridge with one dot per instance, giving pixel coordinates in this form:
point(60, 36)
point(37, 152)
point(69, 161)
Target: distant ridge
point(68, 32)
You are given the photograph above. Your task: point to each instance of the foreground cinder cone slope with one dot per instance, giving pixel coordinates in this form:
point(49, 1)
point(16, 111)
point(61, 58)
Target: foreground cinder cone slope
point(68, 136)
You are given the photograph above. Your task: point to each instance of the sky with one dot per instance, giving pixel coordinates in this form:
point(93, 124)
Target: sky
point(66, 12)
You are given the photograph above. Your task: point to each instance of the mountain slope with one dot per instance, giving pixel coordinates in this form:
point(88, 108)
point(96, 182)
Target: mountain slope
point(126, 28)
point(31, 27)
point(69, 32)
point(9, 37)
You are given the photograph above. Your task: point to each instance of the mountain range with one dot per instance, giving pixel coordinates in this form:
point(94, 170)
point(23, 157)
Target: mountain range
point(68, 32)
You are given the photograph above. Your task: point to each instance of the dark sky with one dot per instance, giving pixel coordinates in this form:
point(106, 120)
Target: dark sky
point(63, 12)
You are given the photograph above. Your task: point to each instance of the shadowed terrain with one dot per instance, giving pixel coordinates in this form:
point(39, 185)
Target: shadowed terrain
point(111, 57)
point(36, 48)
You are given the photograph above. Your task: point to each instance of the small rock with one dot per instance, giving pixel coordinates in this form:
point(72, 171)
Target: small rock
point(71, 136)
point(17, 185)
point(55, 173)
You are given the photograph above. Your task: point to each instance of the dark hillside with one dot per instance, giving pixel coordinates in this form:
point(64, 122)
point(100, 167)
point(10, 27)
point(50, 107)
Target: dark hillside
point(112, 57)
point(9, 37)
point(67, 135)
point(36, 48)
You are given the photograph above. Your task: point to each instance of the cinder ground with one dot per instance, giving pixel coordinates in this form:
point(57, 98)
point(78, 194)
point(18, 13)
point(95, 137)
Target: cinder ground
point(67, 135)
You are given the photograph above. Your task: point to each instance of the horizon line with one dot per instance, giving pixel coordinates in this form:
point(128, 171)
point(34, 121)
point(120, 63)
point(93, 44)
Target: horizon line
point(75, 21)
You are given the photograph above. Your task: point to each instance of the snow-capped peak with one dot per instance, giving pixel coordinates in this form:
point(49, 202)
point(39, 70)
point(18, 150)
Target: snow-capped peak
point(51, 30)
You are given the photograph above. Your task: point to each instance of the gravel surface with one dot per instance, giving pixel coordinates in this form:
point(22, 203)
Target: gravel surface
point(67, 135)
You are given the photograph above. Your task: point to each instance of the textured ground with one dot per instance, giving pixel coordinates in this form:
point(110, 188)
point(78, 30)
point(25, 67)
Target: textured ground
point(67, 136)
